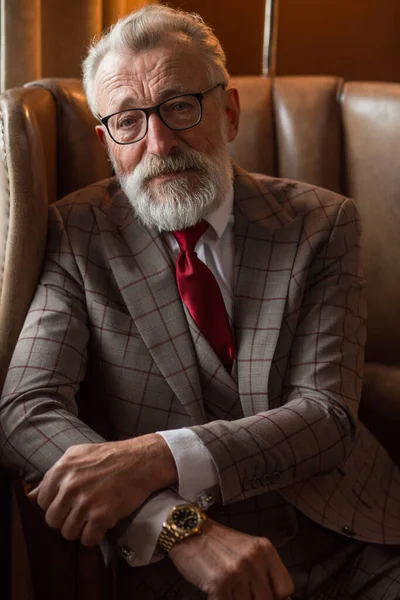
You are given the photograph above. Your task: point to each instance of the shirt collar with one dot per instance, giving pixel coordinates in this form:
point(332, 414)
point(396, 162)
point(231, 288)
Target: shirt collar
point(219, 218)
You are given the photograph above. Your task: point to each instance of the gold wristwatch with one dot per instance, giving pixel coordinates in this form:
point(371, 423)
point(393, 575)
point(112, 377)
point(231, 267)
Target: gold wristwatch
point(182, 522)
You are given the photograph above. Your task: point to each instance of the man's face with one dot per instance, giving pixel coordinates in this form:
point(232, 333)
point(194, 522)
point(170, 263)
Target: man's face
point(173, 178)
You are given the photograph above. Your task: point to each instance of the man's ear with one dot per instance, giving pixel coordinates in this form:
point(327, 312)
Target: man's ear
point(232, 109)
point(101, 134)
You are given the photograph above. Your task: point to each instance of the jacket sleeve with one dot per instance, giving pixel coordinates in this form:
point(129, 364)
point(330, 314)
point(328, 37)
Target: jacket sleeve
point(312, 430)
point(38, 409)
point(39, 414)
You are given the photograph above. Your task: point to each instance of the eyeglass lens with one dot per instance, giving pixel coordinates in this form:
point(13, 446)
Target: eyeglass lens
point(178, 113)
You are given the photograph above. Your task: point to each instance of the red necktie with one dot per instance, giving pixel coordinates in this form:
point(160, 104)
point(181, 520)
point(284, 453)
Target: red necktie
point(200, 292)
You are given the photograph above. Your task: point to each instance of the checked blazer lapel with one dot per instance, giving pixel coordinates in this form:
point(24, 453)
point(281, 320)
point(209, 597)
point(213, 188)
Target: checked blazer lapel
point(266, 240)
point(144, 273)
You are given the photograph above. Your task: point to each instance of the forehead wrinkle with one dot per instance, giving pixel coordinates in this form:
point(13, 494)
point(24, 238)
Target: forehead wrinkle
point(148, 78)
point(113, 85)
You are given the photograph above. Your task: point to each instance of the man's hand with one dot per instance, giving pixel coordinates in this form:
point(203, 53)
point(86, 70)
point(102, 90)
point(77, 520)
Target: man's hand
point(229, 565)
point(93, 486)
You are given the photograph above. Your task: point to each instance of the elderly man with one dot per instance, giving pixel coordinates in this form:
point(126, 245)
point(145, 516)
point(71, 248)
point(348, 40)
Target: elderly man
point(191, 362)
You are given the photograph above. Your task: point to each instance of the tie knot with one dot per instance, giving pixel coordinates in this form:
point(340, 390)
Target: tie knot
point(188, 238)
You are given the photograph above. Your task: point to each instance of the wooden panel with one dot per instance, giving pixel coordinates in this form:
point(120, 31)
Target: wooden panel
point(239, 29)
point(61, 56)
point(115, 9)
point(357, 39)
point(20, 42)
point(62, 52)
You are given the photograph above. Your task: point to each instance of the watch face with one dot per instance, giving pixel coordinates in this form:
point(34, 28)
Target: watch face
point(185, 518)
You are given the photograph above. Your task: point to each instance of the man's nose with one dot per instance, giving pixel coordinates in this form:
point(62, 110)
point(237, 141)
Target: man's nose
point(160, 138)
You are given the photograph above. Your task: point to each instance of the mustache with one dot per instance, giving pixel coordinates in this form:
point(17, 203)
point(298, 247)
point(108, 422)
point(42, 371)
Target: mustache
point(155, 166)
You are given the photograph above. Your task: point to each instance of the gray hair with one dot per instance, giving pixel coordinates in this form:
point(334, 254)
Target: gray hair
point(141, 30)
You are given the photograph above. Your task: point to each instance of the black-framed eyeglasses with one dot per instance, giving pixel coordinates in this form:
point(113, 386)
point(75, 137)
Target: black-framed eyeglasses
point(178, 113)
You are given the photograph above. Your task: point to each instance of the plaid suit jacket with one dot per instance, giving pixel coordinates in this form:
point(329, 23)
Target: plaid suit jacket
point(106, 353)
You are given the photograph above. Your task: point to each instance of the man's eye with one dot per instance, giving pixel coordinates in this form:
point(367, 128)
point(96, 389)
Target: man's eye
point(126, 122)
point(181, 106)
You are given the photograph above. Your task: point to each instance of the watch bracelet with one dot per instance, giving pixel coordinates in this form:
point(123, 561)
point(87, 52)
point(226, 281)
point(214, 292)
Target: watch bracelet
point(167, 540)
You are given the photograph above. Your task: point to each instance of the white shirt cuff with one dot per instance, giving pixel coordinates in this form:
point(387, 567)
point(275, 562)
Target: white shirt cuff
point(197, 475)
point(198, 483)
point(139, 542)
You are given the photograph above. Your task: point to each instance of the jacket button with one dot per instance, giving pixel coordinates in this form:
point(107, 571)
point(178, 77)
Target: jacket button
point(275, 477)
point(265, 480)
point(348, 530)
point(246, 484)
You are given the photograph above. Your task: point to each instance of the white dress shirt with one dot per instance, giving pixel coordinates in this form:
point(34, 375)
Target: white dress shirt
point(197, 475)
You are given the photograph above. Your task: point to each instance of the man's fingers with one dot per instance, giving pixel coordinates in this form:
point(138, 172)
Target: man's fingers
point(281, 581)
point(72, 527)
point(245, 590)
point(57, 513)
point(282, 585)
point(92, 534)
point(33, 494)
point(271, 579)
point(261, 588)
point(221, 594)
point(47, 491)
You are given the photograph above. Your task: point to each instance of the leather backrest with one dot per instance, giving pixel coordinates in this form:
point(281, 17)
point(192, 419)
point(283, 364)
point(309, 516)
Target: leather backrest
point(291, 127)
point(255, 146)
point(80, 158)
point(27, 173)
point(49, 148)
point(371, 154)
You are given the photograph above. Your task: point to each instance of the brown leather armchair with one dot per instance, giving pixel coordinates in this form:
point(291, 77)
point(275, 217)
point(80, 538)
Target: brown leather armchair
point(343, 136)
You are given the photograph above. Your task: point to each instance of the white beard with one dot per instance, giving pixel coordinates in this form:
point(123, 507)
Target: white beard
point(182, 202)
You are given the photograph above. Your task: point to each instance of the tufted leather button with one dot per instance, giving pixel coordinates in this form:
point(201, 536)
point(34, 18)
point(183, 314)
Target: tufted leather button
point(348, 530)
point(275, 477)
point(265, 480)
point(246, 484)
point(255, 483)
